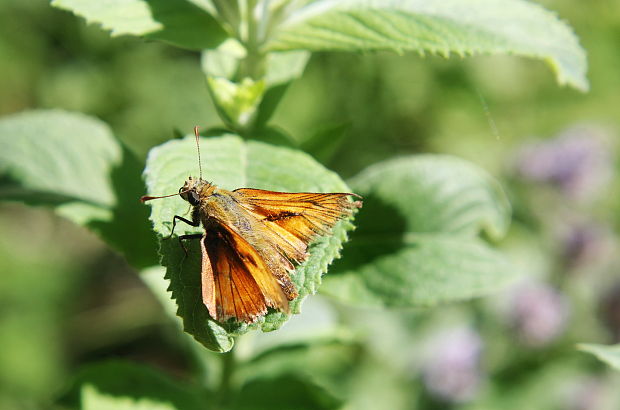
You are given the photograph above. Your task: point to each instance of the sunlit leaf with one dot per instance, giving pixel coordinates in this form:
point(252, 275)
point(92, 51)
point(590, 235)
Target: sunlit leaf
point(183, 23)
point(74, 164)
point(232, 163)
point(228, 75)
point(608, 354)
point(236, 102)
point(443, 27)
point(280, 67)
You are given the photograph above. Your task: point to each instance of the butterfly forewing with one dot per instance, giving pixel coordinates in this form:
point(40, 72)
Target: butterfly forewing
point(295, 219)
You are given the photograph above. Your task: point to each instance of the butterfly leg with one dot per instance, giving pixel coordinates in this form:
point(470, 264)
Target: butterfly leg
point(193, 222)
point(188, 237)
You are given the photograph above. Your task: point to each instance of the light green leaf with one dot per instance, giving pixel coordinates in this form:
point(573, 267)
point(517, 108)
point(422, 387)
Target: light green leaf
point(236, 102)
point(284, 67)
point(430, 269)
point(183, 23)
point(223, 61)
point(438, 193)
point(93, 399)
point(58, 154)
point(240, 100)
point(232, 163)
point(129, 386)
point(463, 27)
point(279, 68)
point(417, 242)
point(608, 354)
point(74, 164)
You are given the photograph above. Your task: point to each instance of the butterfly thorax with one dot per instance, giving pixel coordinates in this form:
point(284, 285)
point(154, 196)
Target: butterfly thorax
point(213, 206)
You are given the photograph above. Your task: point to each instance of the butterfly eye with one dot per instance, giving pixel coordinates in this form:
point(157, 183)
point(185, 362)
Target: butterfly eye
point(193, 198)
point(180, 190)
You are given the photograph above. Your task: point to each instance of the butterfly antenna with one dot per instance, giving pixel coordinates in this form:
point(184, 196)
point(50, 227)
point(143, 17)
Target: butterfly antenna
point(148, 198)
point(198, 146)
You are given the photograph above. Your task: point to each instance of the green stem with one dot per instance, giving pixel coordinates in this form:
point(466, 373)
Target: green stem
point(251, 24)
point(229, 13)
point(253, 64)
point(227, 370)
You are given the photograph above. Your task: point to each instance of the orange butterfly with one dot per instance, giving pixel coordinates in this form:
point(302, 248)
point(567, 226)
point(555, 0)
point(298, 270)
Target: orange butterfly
point(251, 241)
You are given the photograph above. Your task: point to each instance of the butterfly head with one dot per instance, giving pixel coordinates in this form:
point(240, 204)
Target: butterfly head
point(194, 189)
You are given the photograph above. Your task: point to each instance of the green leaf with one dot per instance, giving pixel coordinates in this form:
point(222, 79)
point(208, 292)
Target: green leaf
point(417, 243)
point(279, 68)
point(184, 23)
point(329, 362)
point(463, 27)
point(607, 354)
point(236, 102)
point(73, 163)
point(227, 72)
point(223, 61)
point(232, 163)
point(283, 67)
point(293, 392)
point(129, 386)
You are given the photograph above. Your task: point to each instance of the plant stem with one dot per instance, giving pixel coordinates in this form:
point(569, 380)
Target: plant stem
point(252, 64)
point(229, 13)
point(227, 370)
point(250, 19)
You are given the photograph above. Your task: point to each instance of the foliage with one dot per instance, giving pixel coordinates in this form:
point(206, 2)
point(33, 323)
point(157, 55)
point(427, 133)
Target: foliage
point(608, 354)
point(411, 244)
point(434, 232)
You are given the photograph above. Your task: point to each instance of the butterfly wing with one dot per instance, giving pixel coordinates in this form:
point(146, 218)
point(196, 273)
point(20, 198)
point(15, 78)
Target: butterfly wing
point(236, 281)
point(295, 219)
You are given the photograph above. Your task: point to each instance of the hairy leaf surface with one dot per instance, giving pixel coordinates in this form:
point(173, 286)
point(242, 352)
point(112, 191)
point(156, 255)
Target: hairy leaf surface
point(231, 163)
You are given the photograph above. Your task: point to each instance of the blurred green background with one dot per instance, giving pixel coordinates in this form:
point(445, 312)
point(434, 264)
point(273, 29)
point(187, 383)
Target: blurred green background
point(67, 300)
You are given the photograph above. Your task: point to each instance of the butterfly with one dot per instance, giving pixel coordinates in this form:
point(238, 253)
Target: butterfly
point(252, 241)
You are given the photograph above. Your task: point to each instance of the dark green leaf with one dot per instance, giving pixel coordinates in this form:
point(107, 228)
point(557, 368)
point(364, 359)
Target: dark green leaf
point(129, 386)
point(289, 392)
point(183, 23)
point(326, 142)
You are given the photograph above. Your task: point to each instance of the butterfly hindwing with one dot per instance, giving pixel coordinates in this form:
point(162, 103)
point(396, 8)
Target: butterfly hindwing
point(237, 283)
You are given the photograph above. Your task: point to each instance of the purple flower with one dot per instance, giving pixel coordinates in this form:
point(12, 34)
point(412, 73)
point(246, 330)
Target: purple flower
point(577, 161)
point(584, 243)
point(451, 371)
point(538, 313)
